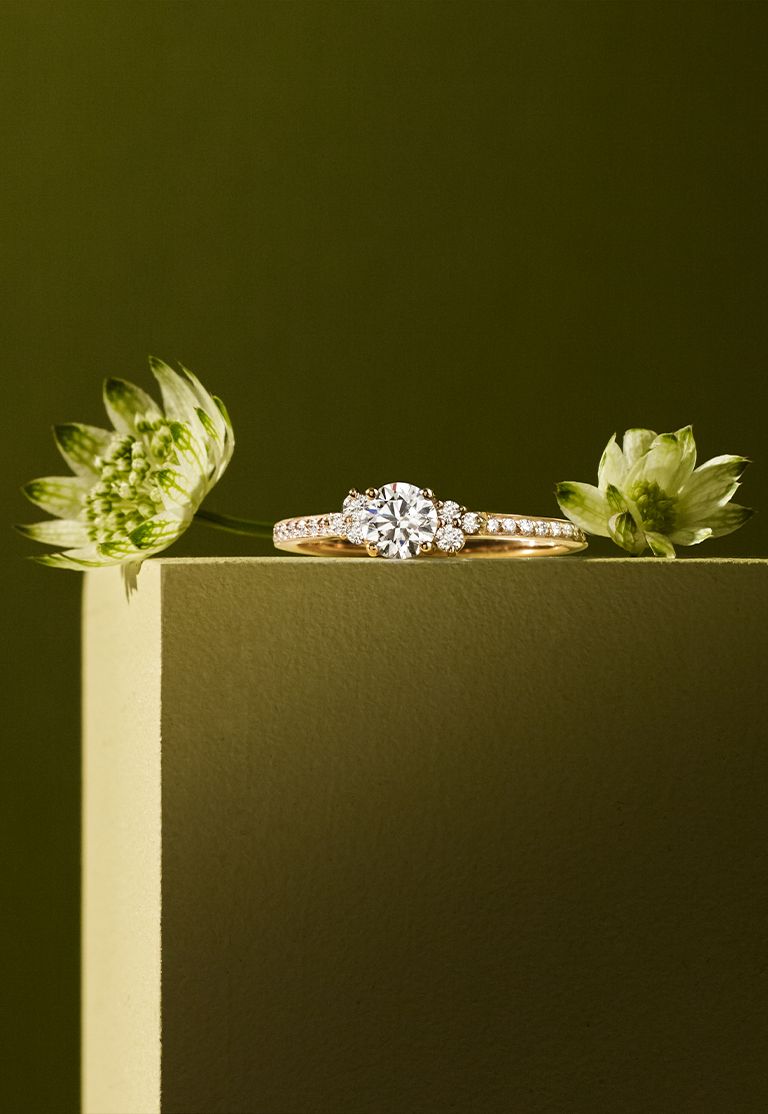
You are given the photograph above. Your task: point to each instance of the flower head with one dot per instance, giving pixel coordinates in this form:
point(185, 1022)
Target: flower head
point(135, 488)
point(650, 494)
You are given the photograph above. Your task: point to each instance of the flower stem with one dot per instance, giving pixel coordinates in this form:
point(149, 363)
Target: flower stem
point(235, 525)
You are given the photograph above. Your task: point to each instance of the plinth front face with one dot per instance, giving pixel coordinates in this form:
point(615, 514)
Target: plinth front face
point(447, 865)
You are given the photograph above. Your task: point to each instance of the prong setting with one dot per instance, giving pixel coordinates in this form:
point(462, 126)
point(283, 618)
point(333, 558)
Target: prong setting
point(401, 520)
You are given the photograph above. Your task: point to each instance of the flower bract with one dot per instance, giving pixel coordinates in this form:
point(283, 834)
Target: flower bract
point(651, 495)
point(134, 488)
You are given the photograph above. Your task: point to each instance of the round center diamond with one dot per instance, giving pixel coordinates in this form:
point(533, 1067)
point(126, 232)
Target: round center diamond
point(400, 519)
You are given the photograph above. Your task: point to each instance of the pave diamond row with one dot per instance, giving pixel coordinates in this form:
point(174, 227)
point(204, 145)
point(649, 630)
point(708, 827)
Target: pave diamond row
point(311, 526)
point(532, 528)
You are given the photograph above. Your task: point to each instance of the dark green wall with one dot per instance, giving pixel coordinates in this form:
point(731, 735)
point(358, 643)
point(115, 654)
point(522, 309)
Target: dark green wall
point(456, 242)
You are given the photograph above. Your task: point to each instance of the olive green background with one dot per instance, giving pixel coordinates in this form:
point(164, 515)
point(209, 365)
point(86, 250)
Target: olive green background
point(459, 243)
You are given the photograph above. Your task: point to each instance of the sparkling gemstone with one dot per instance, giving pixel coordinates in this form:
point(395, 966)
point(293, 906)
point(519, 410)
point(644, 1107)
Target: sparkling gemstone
point(336, 523)
point(470, 523)
point(354, 503)
point(510, 526)
point(356, 533)
point(449, 512)
point(450, 539)
point(525, 526)
point(399, 520)
point(542, 529)
point(353, 518)
point(556, 529)
point(492, 525)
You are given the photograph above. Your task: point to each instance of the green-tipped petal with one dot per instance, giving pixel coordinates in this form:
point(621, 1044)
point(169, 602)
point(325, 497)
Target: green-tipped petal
point(612, 468)
point(617, 504)
point(585, 505)
point(190, 452)
point(709, 487)
point(624, 531)
point(175, 488)
point(636, 443)
point(79, 559)
point(728, 518)
point(179, 397)
point(205, 402)
point(56, 561)
point(81, 445)
point(127, 405)
point(215, 436)
point(117, 550)
point(209, 425)
point(229, 439)
point(224, 413)
point(88, 556)
point(668, 463)
point(160, 531)
point(691, 535)
point(660, 545)
point(687, 443)
point(59, 495)
point(56, 531)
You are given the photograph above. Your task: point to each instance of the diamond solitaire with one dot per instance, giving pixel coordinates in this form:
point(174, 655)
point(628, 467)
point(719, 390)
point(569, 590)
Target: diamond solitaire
point(401, 520)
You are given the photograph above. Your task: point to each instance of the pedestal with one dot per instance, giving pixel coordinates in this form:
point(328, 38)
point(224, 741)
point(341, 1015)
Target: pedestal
point(448, 836)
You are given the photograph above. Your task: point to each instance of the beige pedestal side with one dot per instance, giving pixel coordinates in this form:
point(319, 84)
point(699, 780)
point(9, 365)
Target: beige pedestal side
point(453, 836)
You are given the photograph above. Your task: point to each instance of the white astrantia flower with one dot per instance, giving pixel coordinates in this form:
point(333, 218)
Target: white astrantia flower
point(650, 494)
point(135, 488)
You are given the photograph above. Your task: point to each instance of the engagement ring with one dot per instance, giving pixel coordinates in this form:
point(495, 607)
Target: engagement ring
point(401, 520)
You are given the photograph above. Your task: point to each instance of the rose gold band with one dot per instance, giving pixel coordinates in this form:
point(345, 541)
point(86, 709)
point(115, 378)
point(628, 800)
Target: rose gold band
point(496, 535)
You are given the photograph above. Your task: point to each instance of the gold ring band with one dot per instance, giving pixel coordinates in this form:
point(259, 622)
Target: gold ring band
point(401, 520)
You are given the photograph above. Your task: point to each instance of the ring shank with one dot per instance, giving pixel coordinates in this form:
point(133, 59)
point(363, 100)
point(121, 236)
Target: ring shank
point(473, 547)
point(500, 535)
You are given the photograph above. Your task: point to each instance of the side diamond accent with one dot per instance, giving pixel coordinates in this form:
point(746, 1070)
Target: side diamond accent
point(449, 512)
point(355, 533)
point(450, 539)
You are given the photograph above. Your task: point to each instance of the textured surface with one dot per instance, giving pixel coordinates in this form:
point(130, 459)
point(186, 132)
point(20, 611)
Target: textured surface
point(461, 836)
